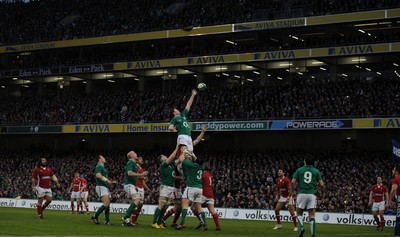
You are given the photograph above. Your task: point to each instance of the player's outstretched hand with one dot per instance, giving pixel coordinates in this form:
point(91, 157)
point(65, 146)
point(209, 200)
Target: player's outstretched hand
point(145, 173)
point(58, 185)
point(194, 92)
point(204, 128)
point(370, 204)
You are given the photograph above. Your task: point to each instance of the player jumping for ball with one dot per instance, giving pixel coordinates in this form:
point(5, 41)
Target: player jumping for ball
point(180, 124)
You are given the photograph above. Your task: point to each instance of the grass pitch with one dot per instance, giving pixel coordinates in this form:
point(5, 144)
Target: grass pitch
point(24, 222)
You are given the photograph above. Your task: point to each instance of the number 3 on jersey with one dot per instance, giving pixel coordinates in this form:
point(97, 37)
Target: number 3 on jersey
point(307, 177)
point(199, 175)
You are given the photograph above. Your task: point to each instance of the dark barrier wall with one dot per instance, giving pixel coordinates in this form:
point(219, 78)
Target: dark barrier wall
point(377, 139)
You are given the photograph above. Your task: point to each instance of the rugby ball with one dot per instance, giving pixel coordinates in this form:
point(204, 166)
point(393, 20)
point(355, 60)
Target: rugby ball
point(202, 86)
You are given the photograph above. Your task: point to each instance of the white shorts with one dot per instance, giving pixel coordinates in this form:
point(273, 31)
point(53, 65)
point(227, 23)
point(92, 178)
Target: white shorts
point(306, 201)
point(167, 191)
point(141, 193)
point(378, 206)
point(207, 200)
point(84, 195)
point(177, 193)
point(193, 194)
point(130, 190)
point(41, 192)
point(288, 200)
point(75, 195)
point(102, 191)
point(185, 140)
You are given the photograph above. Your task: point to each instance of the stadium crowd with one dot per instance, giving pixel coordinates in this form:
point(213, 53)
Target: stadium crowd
point(241, 179)
point(299, 99)
point(39, 21)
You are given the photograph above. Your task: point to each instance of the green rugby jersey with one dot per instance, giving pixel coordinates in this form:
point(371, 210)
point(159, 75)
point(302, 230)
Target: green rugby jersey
point(307, 177)
point(100, 169)
point(167, 174)
point(181, 123)
point(130, 166)
point(193, 174)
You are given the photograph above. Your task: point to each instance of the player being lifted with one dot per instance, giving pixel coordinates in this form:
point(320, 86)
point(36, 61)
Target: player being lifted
point(75, 189)
point(131, 177)
point(41, 176)
point(379, 193)
point(284, 187)
point(180, 124)
point(176, 210)
point(167, 172)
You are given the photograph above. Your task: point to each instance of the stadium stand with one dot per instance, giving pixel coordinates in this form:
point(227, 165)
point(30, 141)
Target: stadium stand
point(39, 21)
point(348, 97)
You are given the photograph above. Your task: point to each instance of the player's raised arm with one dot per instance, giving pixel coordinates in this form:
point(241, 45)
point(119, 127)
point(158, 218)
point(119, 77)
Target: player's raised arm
point(191, 99)
point(198, 138)
point(172, 156)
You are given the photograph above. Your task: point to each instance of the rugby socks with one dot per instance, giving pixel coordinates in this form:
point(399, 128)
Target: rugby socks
point(312, 226)
point(107, 214)
point(300, 220)
point(216, 220)
point(168, 214)
point(196, 213)
point(39, 209)
point(203, 217)
point(278, 218)
point(184, 213)
point(136, 214)
point(45, 205)
point(133, 216)
point(99, 211)
point(377, 221)
point(176, 216)
point(128, 212)
point(294, 219)
point(156, 215)
point(382, 222)
point(77, 208)
point(72, 207)
point(87, 207)
point(162, 212)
